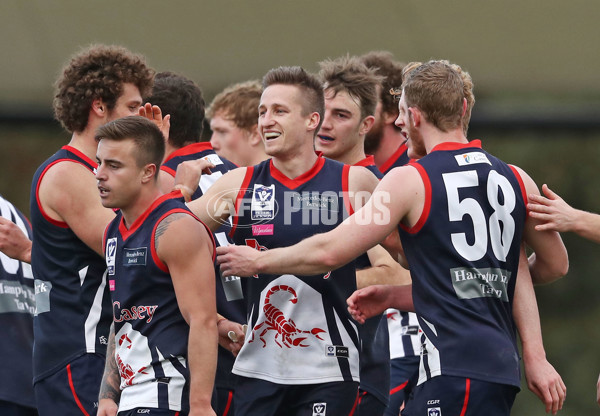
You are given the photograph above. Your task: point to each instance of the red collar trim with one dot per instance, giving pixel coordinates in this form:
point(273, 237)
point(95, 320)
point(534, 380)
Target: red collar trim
point(80, 154)
point(190, 149)
point(125, 233)
point(395, 156)
point(299, 180)
point(367, 161)
point(456, 145)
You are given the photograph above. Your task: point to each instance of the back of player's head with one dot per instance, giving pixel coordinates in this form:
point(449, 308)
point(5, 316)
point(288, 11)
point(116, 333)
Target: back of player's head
point(349, 74)
point(148, 139)
point(437, 90)
point(384, 64)
point(309, 85)
point(182, 99)
point(238, 103)
point(97, 72)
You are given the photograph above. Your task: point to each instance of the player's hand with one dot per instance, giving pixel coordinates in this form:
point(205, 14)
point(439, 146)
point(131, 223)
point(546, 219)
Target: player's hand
point(552, 210)
point(237, 260)
point(13, 242)
point(368, 302)
point(231, 335)
point(545, 382)
point(188, 174)
point(107, 407)
point(154, 114)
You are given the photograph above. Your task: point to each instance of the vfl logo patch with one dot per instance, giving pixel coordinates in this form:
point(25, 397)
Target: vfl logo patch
point(337, 351)
point(471, 158)
point(134, 256)
point(263, 202)
point(434, 411)
point(319, 409)
point(111, 254)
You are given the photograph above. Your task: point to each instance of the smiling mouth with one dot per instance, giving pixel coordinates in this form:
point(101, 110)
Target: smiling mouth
point(103, 191)
point(272, 135)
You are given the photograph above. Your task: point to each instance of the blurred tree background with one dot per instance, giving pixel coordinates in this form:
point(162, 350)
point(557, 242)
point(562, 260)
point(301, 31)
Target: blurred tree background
point(535, 66)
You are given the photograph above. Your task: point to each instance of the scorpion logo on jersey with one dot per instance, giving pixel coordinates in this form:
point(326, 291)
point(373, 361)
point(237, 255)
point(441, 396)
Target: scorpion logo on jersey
point(126, 372)
point(275, 320)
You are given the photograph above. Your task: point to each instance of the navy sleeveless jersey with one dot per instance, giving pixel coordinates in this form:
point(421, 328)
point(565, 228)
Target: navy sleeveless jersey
point(397, 159)
point(73, 311)
point(17, 305)
point(375, 352)
point(299, 331)
point(230, 292)
point(151, 335)
point(464, 255)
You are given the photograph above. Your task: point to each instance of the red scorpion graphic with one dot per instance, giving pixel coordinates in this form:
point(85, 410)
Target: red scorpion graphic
point(275, 320)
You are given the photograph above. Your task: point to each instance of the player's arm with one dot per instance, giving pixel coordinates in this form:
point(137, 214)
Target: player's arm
point(218, 202)
point(556, 215)
point(550, 260)
point(185, 246)
point(69, 193)
point(110, 390)
point(542, 378)
point(374, 300)
point(328, 251)
point(384, 270)
point(13, 241)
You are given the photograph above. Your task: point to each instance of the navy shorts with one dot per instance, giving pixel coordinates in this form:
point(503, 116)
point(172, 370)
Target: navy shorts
point(403, 377)
point(447, 395)
point(73, 390)
point(224, 402)
point(146, 411)
point(369, 405)
point(255, 397)
point(14, 409)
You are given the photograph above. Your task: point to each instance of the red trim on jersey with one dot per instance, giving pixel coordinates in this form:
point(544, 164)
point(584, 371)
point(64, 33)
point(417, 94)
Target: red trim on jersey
point(125, 232)
point(426, 203)
point(79, 154)
point(239, 198)
point(456, 145)
point(395, 156)
point(167, 170)
point(367, 161)
point(522, 186)
point(228, 405)
point(355, 405)
point(345, 181)
point(299, 180)
point(72, 387)
point(190, 149)
point(467, 393)
point(398, 388)
point(58, 223)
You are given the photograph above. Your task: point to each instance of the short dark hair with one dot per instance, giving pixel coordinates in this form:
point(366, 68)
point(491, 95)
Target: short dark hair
point(97, 72)
point(182, 99)
point(384, 64)
point(307, 83)
point(147, 137)
point(351, 75)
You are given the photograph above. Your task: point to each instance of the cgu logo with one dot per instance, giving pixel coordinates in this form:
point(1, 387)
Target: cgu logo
point(144, 411)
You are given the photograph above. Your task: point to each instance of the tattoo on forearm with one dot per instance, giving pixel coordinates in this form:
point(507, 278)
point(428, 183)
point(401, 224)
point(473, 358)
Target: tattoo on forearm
point(164, 224)
point(111, 379)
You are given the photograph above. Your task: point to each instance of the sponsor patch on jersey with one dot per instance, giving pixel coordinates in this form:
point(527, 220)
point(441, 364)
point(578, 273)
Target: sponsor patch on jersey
point(111, 255)
point(111, 285)
point(471, 158)
point(434, 411)
point(42, 296)
point(488, 282)
point(134, 256)
point(410, 330)
point(263, 202)
point(319, 409)
point(262, 229)
point(214, 159)
point(337, 351)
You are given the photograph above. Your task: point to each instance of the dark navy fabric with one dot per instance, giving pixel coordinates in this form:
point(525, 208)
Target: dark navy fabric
point(397, 159)
point(73, 312)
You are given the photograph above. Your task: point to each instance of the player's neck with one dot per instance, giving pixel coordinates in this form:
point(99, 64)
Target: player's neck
point(391, 140)
point(353, 155)
point(292, 167)
point(85, 142)
point(434, 137)
point(140, 205)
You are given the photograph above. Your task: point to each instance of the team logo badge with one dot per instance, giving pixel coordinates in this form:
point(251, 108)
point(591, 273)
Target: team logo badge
point(263, 202)
point(319, 409)
point(111, 255)
point(434, 411)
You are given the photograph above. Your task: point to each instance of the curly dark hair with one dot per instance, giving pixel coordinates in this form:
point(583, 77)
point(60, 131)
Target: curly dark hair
point(385, 65)
point(97, 72)
point(182, 99)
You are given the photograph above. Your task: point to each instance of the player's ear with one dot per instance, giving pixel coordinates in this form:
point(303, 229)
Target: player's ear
point(366, 125)
point(98, 107)
point(416, 115)
point(313, 121)
point(148, 173)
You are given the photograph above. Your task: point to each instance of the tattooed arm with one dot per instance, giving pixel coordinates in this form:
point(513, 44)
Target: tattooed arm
point(110, 391)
